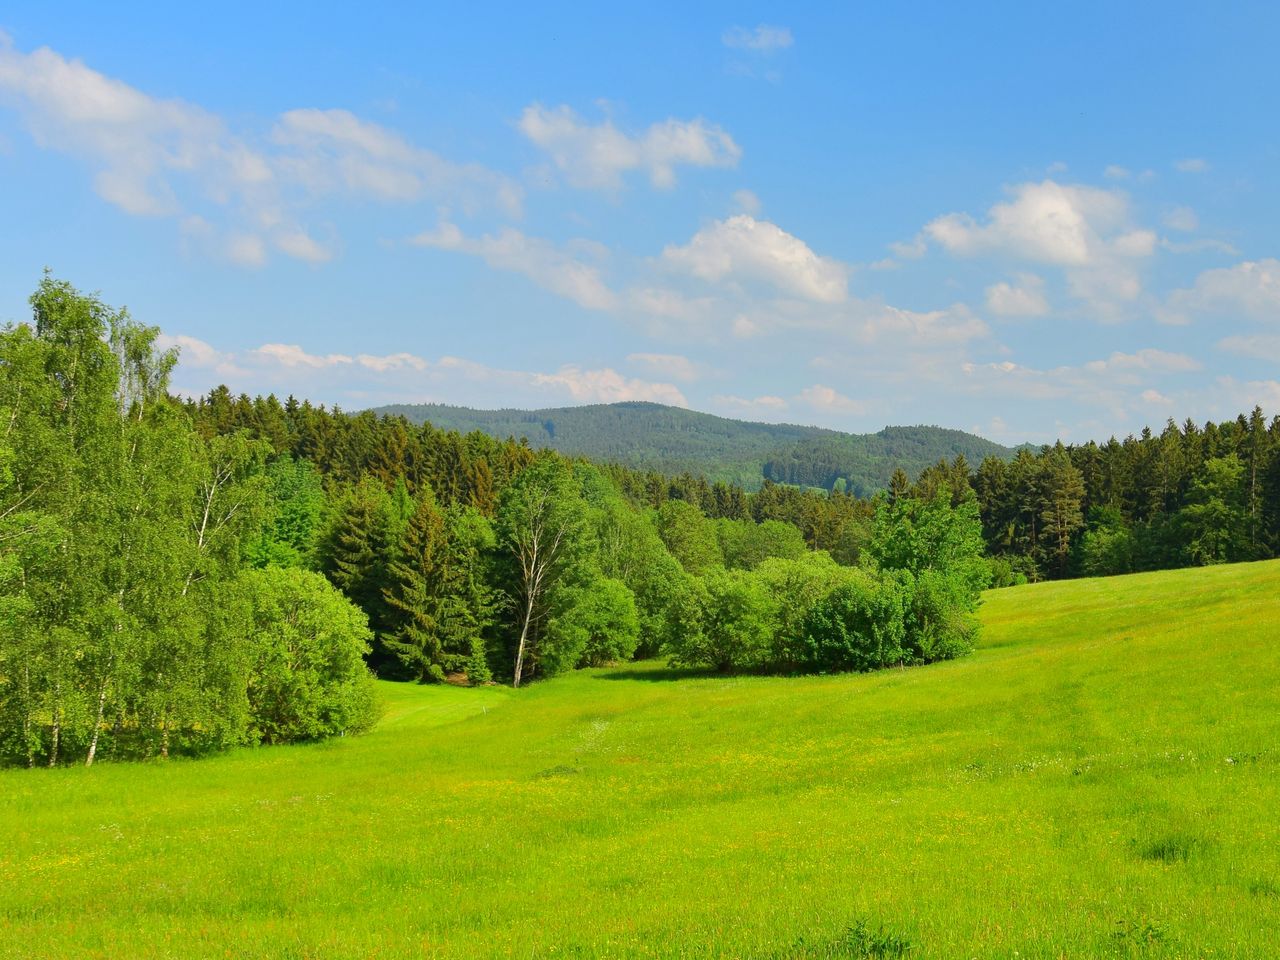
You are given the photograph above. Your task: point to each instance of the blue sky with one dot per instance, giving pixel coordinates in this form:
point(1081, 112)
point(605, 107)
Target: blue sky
point(1029, 222)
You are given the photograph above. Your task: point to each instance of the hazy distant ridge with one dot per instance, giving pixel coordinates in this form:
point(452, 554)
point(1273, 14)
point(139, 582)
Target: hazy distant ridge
point(673, 440)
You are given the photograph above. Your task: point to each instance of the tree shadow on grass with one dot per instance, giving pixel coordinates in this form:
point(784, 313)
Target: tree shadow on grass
point(663, 674)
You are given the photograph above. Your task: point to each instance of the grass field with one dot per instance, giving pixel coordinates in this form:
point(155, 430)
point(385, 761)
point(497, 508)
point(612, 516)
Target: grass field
point(1102, 779)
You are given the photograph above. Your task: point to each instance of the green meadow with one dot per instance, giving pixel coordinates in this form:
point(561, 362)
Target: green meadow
point(1100, 779)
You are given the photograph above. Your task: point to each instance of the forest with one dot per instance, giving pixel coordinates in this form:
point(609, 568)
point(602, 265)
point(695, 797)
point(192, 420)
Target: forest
point(673, 440)
point(182, 575)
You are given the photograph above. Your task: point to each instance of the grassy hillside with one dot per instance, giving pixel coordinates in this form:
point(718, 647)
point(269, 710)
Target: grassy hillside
point(1100, 780)
point(673, 440)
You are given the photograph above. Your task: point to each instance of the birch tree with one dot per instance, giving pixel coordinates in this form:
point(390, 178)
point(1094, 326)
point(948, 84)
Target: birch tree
point(542, 529)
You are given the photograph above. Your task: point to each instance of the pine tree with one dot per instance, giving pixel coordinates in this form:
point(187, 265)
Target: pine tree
point(415, 592)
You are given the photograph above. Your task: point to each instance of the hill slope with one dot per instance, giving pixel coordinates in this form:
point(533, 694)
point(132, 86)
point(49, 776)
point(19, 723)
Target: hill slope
point(1099, 780)
point(673, 440)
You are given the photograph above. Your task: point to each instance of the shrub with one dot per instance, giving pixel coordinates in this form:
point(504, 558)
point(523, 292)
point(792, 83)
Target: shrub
point(597, 624)
point(860, 625)
point(736, 623)
point(307, 679)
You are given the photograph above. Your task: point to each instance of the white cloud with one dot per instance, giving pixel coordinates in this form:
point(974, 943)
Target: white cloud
point(931, 328)
point(826, 400)
point(1025, 299)
point(1192, 165)
point(246, 249)
point(1116, 172)
point(1264, 347)
point(392, 361)
point(541, 261)
point(1084, 230)
point(743, 249)
point(170, 158)
point(670, 365)
point(292, 355)
point(1182, 218)
point(334, 150)
point(1148, 359)
point(760, 39)
point(912, 249)
point(609, 386)
point(596, 156)
point(767, 406)
point(746, 202)
point(1251, 289)
point(200, 355)
point(298, 244)
point(1156, 398)
point(399, 377)
point(1046, 222)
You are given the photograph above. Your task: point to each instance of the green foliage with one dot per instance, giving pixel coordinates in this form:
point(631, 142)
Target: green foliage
point(1108, 545)
point(672, 441)
point(547, 547)
point(1214, 521)
point(296, 508)
point(935, 547)
point(860, 625)
point(745, 545)
point(122, 531)
point(440, 604)
point(597, 624)
point(736, 623)
point(308, 679)
point(690, 537)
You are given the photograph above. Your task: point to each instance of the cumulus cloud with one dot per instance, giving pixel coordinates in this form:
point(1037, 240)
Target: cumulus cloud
point(1182, 218)
point(760, 39)
point(670, 365)
point(550, 267)
point(1120, 384)
point(767, 407)
point(1264, 347)
point(746, 202)
point(743, 249)
point(597, 156)
point(824, 399)
point(399, 377)
point(1086, 231)
point(1251, 289)
point(1149, 359)
point(609, 386)
point(1046, 222)
point(1025, 298)
point(199, 355)
point(1192, 165)
point(331, 151)
point(392, 361)
point(292, 355)
point(159, 157)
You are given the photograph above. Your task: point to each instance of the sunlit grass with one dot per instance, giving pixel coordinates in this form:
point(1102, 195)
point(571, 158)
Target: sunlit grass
point(1099, 780)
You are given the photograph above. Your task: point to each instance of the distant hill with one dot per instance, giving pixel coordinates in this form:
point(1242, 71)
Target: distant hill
point(672, 440)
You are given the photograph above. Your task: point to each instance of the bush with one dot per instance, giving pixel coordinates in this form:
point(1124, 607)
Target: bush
point(736, 623)
point(860, 625)
point(797, 586)
point(307, 679)
point(939, 621)
point(598, 625)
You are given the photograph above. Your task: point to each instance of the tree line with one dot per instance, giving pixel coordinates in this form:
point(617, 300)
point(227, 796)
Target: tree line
point(1188, 496)
point(131, 621)
point(179, 576)
point(187, 575)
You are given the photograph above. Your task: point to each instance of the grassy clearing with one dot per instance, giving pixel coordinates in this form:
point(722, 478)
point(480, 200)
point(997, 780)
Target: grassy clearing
point(1101, 780)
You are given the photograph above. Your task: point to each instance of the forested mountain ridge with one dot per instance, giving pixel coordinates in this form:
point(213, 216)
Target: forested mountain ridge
point(673, 440)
